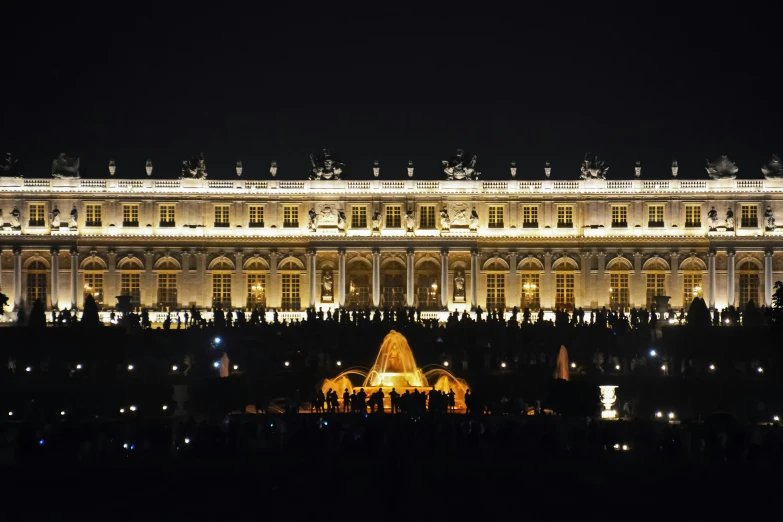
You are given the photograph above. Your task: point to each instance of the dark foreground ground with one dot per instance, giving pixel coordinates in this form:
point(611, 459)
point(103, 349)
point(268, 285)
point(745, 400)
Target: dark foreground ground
point(360, 487)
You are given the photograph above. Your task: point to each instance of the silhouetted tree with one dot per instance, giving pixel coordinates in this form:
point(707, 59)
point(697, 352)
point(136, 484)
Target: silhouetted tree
point(777, 303)
point(3, 302)
point(698, 313)
point(752, 315)
point(90, 313)
point(37, 315)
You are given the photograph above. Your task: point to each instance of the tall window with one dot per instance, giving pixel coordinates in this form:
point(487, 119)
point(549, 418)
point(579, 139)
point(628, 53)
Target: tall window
point(221, 290)
point(496, 291)
point(749, 284)
point(36, 282)
point(530, 217)
point(692, 215)
point(37, 214)
point(222, 215)
point(167, 291)
point(167, 215)
point(130, 285)
point(290, 292)
point(656, 282)
point(495, 216)
point(565, 216)
point(691, 288)
point(619, 216)
point(427, 291)
point(255, 216)
point(256, 290)
point(393, 216)
point(291, 216)
point(358, 290)
point(394, 287)
point(358, 216)
point(94, 215)
point(427, 216)
point(619, 290)
point(655, 216)
point(530, 285)
point(749, 216)
point(93, 285)
point(564, 291)
point(130, 215)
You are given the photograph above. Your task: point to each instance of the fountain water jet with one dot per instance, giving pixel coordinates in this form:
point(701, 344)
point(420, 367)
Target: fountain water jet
point(395, 367)
point(561, 370)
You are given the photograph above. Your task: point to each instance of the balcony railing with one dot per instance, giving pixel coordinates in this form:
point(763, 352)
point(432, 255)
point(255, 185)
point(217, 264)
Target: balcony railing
point(655, 224)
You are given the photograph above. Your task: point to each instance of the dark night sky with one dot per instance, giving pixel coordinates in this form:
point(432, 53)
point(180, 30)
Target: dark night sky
point(526, 84)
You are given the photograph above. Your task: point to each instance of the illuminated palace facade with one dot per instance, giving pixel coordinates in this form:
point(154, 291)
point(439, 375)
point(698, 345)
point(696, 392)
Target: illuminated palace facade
point(437, 245)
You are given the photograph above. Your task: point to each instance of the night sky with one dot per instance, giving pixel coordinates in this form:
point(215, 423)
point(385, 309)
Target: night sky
point(527, 84)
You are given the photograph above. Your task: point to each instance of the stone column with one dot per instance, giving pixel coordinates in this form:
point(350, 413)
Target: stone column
point(675, 290)
point(238, 290)
point(112, 284)
point(730, 277)
point(273, 286)
point(444, 279)
point(74, 277)
point(17, 277)
point(55, 252)
point(149, 294)
point(711, 276)
point(599, 290)
point(638, 289)
point(547, 294)
point(768, 277)
point(184, 295)
point(474, 274)
point(202, 300)
point(410, 290)
point(584, 265)
point(513, 297)
point(341, 277)
point(311, 276)
point(376, 278)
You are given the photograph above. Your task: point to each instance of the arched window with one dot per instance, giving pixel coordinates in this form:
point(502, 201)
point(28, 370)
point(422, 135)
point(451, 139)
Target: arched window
point(168, 269)
point(130, 278)
point(656, 280)
point(619, 283)
point(37, 278)
point(222, 271)
point(496, 284)
point(256, 270)
point(427, 285)
point(358, 289)
point(692, 287)
point(290, 271)
point(748, 283)
point(530, 281)
point(565, 277)
point(394, 285)
point(93, 269)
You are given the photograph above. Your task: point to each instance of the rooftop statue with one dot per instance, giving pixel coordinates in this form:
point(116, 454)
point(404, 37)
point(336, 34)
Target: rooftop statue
point(195, 168)
point(64, 167)
point(593, 168)
point(773, 169)
point(10, 166)
point(722, 168)
point(324, 166)
point(455, 168)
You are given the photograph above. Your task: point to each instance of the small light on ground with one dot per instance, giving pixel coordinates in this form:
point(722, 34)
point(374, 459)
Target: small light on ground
point(339, 363)
point(776, 418)
point(616, 446)
point(78, 366)
point(502, 365)
point(617, 367)
point(10, 414)
point(130, 367)
point(573, 365)
point(658, 414)
point(625, 447)
point(28, 369)
point(62, 413)
point(445, 363)
point(236, 366)
point(174, 368)
point(216, 364)
point(671, 415)
point(712, 367)
point(287, 363)
point(653, 353)
point(217, 340)
point(165, 407)
point(760, 369)
point(187, 440)
point(132, 408)
point(663, 367)
point(122, 410)
point(125, 445)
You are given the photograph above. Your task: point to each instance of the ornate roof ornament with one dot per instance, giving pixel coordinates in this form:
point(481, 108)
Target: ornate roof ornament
point(675, 168)
point(722, 168)
point(112, 167)
point(325, 166)
point(273, 168)
point(593, 168)
point(773, 169)
point(239, 168)
point(456, 167)
point(64, 167)
point(195, 168)
point(148, 167)
point(10, 166)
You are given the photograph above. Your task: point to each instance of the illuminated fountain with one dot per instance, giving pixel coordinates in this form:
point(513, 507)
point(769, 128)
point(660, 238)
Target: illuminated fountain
point(561, 370)
point(396, 368)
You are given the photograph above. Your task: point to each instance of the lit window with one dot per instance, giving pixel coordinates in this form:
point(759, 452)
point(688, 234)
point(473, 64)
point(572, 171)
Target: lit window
point(36, 282)
point(749, 216)
point(93, 212)
point(222, 216)
point(655, 216)
point(358, 216)
point(564, 291)
point(691, 288)
point(291, 216)
point(256, 290)
point(656, 282)
point(167, 291)
point(619, 216)
point(37, 214)
point(496, 291)
point(93, 285)
point(692, 215)
point(167, 215)
point(255, 216)
point(130, 215)
point(394, 288)
point(530, 217)
point(748, 283)
point(130, 285)
point(221, 290)
point(289, 289)
point(565, 216)
point(619, 290)
point(393, 216)
point(427, 216)
point(495, 216)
